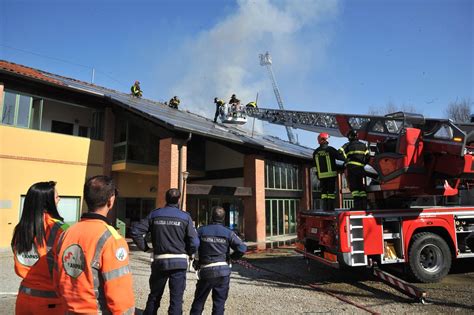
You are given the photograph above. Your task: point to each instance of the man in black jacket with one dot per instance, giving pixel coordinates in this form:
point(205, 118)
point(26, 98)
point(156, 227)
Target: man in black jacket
point(357, 156)
point(213, 264)
point(325, 158)
point(174, 239)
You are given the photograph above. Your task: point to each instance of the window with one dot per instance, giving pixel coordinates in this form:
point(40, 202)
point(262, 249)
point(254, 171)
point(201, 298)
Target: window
point(282, 176)
point(280, 216)
point(62, 127)
point(68, 208)
point(17, 109)
point(83, 131)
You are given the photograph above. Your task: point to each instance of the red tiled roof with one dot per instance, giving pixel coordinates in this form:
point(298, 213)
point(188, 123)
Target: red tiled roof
point(26, 71)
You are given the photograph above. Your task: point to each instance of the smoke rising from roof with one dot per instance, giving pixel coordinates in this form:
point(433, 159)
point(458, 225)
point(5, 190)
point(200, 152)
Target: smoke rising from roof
point(224, 60)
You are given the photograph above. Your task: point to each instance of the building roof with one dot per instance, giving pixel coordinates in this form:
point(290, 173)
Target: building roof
point(178, 120)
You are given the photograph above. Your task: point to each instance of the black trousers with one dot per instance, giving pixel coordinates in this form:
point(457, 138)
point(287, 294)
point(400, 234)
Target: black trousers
point(177, 285)
point(328, 187)
point(217, 113)
point(220, 290)
point(355, 178)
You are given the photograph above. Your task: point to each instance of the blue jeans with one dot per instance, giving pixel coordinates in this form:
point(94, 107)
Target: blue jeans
point(220, 291)
point(177, 284)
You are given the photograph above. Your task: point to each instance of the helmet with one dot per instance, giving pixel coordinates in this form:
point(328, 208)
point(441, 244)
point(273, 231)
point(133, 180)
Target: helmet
point(352, 134)
point(323, 137)
point(233, 95)
point(137, 82)
point(215, 99)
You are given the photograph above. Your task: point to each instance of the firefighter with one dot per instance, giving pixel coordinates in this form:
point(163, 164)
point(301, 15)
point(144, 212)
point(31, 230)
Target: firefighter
point(174, 102)
point(136, 91)
point(234, 100)
point(325, 158)
point(33, 239)
point(356, 155)
point(174, 240)
point(219, 104)
point(213, 265)
point(93, 272)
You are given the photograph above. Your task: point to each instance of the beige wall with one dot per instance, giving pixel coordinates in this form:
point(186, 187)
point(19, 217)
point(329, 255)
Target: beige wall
point(135, 185)
point(30, 156)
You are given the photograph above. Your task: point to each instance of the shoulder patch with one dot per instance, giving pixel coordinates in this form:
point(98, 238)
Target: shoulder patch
point(121, 254)
point(74, 261)
point(29, 258)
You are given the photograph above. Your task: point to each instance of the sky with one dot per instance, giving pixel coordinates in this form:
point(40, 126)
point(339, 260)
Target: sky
point(348, 56)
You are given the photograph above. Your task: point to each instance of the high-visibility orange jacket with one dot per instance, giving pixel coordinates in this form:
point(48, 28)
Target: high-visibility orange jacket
point(36, 266)
point(93, 273)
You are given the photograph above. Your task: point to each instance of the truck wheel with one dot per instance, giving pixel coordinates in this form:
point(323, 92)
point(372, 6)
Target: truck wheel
point(429, 257)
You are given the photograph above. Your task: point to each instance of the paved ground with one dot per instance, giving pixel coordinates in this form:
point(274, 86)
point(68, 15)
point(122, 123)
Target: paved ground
point(276, 288)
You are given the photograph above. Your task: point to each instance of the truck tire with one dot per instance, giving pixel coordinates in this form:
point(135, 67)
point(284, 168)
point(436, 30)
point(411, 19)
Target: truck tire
point(429, 257)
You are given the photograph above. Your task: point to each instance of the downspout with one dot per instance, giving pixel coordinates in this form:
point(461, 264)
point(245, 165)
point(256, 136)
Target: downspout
point(180, 167)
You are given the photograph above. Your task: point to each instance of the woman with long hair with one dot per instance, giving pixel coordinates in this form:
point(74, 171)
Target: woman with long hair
point(33, 240)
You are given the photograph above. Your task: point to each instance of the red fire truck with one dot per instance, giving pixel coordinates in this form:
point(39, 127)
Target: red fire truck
point(412, 158)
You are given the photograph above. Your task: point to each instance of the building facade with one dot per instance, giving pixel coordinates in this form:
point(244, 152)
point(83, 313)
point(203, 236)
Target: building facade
point(61, 129)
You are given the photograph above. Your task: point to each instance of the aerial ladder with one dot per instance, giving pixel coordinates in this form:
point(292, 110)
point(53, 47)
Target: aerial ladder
point(412, 155)
point(266, 60)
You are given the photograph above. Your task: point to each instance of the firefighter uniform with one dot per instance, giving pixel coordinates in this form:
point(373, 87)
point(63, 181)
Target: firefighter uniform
point(136, 91)
point(356, 155)
point(214, 268)
point(93, 272)
point(37, 294)
point(325, 158)
point(219, 103)
point(174, 102)
point(251, 105)
point(174, 238)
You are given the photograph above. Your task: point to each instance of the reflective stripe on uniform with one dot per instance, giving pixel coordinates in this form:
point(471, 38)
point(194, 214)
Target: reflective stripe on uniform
point(116, 273)
point(358, 152)
point(356, 163)
point(355, 193)
point(130, 311)
point(362, 194)
point(95, 265)
point(168, 256)
point(216, 264)
point(343, 152)
point(50, 243)
point(38, 293)
point(331, 196)
point(114, 232)
point(324, 196)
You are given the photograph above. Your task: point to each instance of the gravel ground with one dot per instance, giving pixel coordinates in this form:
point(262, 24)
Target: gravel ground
point(267, 292)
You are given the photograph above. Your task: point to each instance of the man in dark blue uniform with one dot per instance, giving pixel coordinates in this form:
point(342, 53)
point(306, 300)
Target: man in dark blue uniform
point(214, 258)
point(174, 238)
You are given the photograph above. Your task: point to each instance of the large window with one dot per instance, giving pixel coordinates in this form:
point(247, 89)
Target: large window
point(20, 110)
point(280, 216)
point(134, 143)
point(283, 176)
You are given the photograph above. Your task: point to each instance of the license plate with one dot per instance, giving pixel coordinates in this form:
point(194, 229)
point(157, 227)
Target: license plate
point(314, 230)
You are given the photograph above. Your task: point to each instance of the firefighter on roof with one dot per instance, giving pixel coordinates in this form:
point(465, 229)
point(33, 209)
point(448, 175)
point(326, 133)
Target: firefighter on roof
point(136, 91)
point(234, 100)
point(325, 158)
point(34, 238)
point(357, 156)
point(213, 265)
point(219, 103)
point(174, 102)
point(93, 274)
point(251, 105)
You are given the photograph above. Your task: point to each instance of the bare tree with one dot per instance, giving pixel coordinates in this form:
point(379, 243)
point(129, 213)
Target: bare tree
point(460, 111)
point(390, 108)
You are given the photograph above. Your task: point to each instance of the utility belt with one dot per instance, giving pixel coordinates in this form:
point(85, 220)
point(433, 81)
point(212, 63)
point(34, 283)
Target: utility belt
point(38, 293)
point(169, 256)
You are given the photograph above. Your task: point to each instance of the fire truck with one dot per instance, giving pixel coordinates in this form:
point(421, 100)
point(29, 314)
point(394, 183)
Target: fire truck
point(413, 159)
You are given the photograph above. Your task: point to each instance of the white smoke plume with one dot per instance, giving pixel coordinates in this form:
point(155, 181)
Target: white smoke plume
point(224, 60)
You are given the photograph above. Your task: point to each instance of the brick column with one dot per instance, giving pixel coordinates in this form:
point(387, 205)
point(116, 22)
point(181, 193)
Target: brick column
point(307, 198)
point(109, 133)
point(254, 206)
point(168, 168)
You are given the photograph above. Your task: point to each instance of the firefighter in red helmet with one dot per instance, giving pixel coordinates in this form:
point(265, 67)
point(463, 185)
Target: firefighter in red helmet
point(325, 158)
